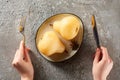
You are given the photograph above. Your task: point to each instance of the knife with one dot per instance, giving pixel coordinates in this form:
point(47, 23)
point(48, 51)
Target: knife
point(95, 32)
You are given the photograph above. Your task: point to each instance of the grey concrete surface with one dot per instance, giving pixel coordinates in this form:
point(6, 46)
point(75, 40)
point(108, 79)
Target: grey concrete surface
point(79, 67)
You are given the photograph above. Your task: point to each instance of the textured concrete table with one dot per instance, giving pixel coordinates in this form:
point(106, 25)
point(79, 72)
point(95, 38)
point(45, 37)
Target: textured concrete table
point(79, 67)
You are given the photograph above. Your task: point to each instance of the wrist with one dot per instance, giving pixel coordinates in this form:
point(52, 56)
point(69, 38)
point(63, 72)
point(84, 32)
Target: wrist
point(26, 78)
point(98, 78)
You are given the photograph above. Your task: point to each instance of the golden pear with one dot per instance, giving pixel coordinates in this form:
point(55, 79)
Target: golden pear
point(68, 27)
point(50, 44)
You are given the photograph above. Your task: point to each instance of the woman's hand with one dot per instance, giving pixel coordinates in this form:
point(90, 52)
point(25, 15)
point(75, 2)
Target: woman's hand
point(103, 66)
point(22, 63)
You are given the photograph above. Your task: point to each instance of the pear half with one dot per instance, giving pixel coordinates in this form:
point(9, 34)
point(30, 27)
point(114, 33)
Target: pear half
point(68, 27)
point(50, 44)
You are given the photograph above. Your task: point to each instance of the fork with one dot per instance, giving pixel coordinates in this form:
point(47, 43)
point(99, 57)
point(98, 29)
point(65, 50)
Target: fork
point(22, 27)
point(21, 30)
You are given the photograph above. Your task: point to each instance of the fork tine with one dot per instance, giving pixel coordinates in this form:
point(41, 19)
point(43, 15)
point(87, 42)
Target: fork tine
point(23, 21)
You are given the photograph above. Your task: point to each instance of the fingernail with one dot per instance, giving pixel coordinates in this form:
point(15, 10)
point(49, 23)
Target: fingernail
point(98, 49)
point(21, 41)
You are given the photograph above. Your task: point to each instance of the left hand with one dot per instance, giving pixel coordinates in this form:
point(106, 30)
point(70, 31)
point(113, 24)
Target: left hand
point(22, 63)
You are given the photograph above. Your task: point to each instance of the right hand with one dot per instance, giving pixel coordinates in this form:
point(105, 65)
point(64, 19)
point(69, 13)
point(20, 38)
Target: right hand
point(101, 67)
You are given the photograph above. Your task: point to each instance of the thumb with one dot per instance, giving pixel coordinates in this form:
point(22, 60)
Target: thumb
point(97, 55)
point(27, 50)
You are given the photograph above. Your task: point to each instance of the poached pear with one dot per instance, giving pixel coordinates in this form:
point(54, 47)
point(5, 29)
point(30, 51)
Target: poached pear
point(68, 27)
point(50, 44)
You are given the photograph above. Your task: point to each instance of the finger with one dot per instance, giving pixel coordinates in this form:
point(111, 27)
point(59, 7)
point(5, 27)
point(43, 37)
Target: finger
point(27, 54)
point(16, 59)
point(104, 53)
point(110, 60)
point(21, 49)
point(28, 49)
point(97, 55)
point(16, 54)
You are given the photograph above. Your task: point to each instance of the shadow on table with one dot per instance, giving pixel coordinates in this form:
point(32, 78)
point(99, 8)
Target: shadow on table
point(38, 68)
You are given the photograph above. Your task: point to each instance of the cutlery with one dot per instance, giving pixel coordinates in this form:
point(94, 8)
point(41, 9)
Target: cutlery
point(95, 32)
point(21, 30)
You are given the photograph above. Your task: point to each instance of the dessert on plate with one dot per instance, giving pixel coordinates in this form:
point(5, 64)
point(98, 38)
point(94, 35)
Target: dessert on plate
point(68, 27)
point(50, 44)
